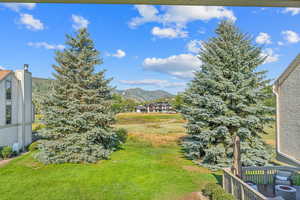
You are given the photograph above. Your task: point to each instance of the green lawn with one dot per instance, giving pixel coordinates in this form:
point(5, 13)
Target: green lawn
point(149, 167)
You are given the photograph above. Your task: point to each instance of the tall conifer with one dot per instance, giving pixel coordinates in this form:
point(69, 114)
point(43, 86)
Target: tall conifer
point(77, 113)
point(225, 99)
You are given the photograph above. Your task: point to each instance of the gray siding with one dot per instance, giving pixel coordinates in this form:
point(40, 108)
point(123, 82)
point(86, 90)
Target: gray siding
point(289, 115)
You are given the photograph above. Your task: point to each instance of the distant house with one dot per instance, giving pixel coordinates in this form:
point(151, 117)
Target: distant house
point(140, 109)
point(15, 108)
point(163, 107)
point(287, 90)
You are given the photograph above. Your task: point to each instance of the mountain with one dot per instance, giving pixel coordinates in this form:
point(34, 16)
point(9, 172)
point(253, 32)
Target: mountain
point(139, 94)
point(41, 85)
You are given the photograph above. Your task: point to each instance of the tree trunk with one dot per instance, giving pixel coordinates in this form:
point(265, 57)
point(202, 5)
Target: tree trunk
point(236, 167)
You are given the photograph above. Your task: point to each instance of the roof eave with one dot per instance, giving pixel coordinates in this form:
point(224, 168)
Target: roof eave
point(287, 72)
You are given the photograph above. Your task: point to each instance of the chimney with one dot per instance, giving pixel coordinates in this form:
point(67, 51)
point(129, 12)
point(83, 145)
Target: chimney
point(26, 67)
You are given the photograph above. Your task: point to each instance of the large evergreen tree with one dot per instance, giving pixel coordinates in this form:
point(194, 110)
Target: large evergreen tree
point(77, 113)
point(226, 99)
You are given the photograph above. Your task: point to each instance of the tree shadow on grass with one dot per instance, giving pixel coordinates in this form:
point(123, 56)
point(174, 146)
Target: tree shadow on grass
point(218, 177)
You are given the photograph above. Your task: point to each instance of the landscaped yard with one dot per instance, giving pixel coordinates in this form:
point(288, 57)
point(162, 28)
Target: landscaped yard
point(149, 167)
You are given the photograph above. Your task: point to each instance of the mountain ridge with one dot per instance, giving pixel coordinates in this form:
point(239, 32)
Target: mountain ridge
point(41, 85)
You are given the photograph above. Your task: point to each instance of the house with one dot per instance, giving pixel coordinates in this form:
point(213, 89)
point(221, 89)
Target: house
point(164, 107)
point(16, 108)
point(140, 109)
point(287, 90)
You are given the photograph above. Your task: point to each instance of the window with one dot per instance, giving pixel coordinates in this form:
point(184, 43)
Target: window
point(8, 87)
point(8, 114)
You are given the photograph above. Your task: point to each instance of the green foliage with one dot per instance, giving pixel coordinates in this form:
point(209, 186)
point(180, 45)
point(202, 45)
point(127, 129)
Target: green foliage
point(271, 100)
point(177, 102)
point(121, 104)
point(37, 126)
point(209, 188)
point(224, 196)
point(34, 146)
point(78, 114)
point(216, 192)
point(40, 88)
point(7, 152)
point(227, 98)
point(122, 135)
point(296, 179)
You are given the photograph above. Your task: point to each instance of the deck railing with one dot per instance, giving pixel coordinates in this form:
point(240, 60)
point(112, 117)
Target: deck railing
point(264, 175)
point(239, 189)
point(259, 175)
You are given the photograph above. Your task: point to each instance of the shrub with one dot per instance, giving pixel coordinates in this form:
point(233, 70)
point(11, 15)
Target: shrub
point(208, 189)
point(7, 152)
point(33, 146)
point(37, 126)
point(122, 135)
point(224, 196)
point(216, 192)
point(296, 179)
point(1, 157)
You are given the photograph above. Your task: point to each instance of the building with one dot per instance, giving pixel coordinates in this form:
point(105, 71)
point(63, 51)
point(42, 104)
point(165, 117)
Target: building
point(16, 108)
point(140, 109)
point(287, 90)
point(163, 107)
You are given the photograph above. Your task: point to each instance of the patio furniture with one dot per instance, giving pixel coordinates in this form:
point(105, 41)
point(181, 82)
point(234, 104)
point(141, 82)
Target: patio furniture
point(252, 184)
point(276, 198)
point(283, 178)
point(286, 191)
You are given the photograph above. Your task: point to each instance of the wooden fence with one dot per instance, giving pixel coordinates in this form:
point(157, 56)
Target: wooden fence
point(258, 175)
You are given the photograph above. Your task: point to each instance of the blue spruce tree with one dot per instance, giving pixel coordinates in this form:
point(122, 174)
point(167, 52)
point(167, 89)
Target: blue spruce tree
point(226, 99)
point(77, 113)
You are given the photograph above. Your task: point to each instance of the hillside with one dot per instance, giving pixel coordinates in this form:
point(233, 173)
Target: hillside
point(40, 85)
point(139, 94)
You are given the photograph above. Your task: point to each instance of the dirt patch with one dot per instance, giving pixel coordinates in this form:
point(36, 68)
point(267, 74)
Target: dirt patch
point(195, 196)
point(4, 162)
point(196, 169)
point(158, 139)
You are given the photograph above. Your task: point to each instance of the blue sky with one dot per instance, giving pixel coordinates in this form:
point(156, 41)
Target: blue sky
point(152, 47)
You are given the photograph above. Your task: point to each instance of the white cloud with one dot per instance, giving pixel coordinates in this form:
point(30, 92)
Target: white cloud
point(180, 66)
point(79, 22)
point(18, 6)
point(293, 11)
point(280, 43)
point(30, 22)
point(168, 32)
point(147, 14)
point(270, 56)
point(263, 38)
point(119, 54)
point(290, 36)
point(2, 68)
point(46, 45)
point(179, 15)
point(154, 82)
point(194, 46)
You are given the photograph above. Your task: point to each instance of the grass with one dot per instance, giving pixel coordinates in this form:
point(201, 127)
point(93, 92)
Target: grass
point(149, 167)
point(269, 138)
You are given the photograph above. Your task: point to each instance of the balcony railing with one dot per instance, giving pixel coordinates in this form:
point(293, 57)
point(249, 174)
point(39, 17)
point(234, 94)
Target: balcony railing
point(257, 175)
point(239, 189)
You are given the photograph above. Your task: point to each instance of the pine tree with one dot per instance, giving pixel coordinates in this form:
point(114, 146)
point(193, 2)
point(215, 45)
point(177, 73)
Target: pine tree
point(226, 99)
point(77, 113)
